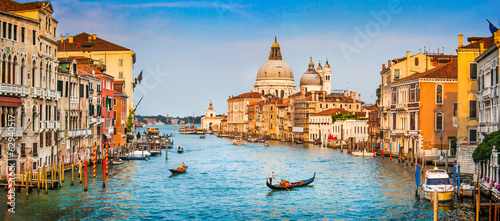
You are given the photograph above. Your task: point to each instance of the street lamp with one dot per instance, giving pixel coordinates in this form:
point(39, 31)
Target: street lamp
point(441, 137)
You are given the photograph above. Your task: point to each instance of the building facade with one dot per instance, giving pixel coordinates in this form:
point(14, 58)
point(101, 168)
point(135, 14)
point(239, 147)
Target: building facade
point(210, 122)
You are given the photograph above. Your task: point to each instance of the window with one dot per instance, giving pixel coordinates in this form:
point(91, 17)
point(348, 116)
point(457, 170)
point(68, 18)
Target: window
point(9, 34)
point(412, 121)
point(81, 90)
point(455, 109)
point(34, 37)
point(120, 75)
point(23, 34)
point(15, 33)
point(439, 94)
point(492, 77)
point(60, 86)
point(439, 121)
point(120, 62)
point(394, 121)
point(396, 74)
point(416, 61)
point(472, 135)
point(472, 109)
point(4, 30)
point(473, 71)
point(496, 75)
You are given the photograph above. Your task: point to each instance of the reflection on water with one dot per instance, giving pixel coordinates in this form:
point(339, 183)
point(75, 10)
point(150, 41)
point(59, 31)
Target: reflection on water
point(225, 181)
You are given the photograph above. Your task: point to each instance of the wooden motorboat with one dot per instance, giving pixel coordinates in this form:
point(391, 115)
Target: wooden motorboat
point(155, 152)
point(179, 170)
point(238, 142)
point(266, 144)
point(279, 186)
point(202, 137)
point(299, 141)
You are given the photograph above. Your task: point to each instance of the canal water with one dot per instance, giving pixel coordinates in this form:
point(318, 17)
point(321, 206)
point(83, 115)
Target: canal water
point(227, 182)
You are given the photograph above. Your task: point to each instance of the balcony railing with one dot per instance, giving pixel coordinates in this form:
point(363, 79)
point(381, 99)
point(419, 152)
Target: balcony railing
point(45, 93)
point(58, 95)
point(57, 124)
point(14, 89)
point(50, 124)
point(43, 125)
point(11, 132)
point(89, 132)
point(52, 94)
point(37, 92)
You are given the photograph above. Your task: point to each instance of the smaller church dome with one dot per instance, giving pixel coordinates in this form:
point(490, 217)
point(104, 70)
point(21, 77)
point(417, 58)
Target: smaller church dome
point(310, 77)
point(319, 68)
point(327, 65)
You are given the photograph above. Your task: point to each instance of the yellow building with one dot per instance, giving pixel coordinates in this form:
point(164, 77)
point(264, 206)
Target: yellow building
point(119, 60)
point(466, 119)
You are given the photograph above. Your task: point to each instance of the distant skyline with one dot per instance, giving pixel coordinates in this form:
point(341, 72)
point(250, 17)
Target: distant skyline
point(193, 51)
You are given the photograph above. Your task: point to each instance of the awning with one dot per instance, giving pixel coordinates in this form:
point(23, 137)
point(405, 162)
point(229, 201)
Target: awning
point(107, 135)
point(10, 101)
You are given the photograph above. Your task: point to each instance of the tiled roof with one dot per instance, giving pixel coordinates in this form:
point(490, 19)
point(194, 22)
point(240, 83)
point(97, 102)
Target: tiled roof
point(360, 113)
point(8, 5)
point(488, 42)
point(448, 70)
point(248, 95)
point(86, 70)
point(331, 111)
point(81, 43)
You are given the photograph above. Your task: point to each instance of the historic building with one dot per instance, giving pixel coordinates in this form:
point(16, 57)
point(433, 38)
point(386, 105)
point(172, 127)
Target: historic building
point(28, 96)
point(316, 80)
point(467, 116)
point(120, 113)
point(210, 122)
point(237, 112)
point(107, 112)
point(275, 76)
point(119, 61)
point(422, 110)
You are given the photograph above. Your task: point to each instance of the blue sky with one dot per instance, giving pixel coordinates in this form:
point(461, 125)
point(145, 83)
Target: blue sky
point(193, 51)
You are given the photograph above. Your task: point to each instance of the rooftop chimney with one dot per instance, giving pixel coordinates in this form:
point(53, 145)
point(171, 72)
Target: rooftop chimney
point(408, 55)
point(94, 37)
point(359, 97)
point(481, 47)
point(460, 40)
point(383, 67)
point(70, 39)
point(389, 62)
point(354, 95)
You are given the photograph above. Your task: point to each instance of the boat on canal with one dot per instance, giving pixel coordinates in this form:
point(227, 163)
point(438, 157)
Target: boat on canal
point(279, 186)
point(180, 149)
point(438, 179)
point(179, 170)
point(202, 137)
point(238, 142)
point(117, 162)
point(155, 152)
point(363, 153)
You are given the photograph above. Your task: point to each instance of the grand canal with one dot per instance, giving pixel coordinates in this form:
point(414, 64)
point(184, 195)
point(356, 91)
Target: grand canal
point(228, 182)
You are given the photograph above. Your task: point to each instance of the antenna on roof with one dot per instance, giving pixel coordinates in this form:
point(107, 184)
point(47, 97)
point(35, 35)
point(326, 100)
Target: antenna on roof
point(443, 50)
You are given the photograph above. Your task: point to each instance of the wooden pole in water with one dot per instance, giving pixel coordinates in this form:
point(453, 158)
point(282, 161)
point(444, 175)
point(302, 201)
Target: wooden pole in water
point(103, 173)
point(27, 177)
point(496, 209)
point(94, 159)
point(43, 176)
point(22, 177)
point(31, 176)
point(478, 201)
point(52, 174)
point(38, 179)
point(46, 186)
point(435, 205)
point(107, 146)
point(489, 211)
point(61, 171)
point(85, 189)
point(62, 164)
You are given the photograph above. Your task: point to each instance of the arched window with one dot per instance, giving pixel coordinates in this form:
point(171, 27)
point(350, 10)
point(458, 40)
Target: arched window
point(9, 70)
point(23, 70)
point(32, 74)
point(439, 121)
point(276, 93)
point(416, 61)
point(4, 67)
point(439, 94)
point(282, 93)
point(40, 74)
point(14, 68)
point(262, 92)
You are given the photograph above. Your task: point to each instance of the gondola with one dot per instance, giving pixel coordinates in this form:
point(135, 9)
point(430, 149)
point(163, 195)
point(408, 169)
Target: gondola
point(180, 150)
point(178, 171)
point(292, 185)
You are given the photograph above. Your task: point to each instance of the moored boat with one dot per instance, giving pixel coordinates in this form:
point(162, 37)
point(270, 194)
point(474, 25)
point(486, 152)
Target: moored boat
point(155, 152)
point(117, 162)
point(202, 137)
point(238, 142)
point(180, 149)
point(363, 154)
point(279, 186)
point(179, 169)
point(438, 179)
point(299, 141)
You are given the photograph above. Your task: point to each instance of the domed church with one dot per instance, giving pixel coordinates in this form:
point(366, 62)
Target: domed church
point(275, 76)
point(316, 80)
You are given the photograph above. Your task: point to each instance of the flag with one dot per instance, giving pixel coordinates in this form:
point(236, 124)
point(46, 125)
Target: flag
point(493, 29)
point(140, 77)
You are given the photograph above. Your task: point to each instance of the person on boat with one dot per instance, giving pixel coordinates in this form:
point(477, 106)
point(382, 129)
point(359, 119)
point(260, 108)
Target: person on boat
point(183, 165)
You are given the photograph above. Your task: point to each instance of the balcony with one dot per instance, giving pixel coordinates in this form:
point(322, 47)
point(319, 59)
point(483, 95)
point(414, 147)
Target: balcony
point(73, 100)
point(52, 94)
point(11, 132)
point(50, 124)
point(45, 93)
point(88, 132)
point(401, 107)
point(76, 133)
point(58, 95)
point(14, 89)
point(57, 124)
point(93, 120)
point(123, 121)
point(43, 125)
point(397, 132)
point(37, 92)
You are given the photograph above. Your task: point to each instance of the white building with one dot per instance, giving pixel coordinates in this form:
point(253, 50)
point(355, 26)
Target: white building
point(210, 122)
point(321, 126)
point(316, 80)
point(488, 88)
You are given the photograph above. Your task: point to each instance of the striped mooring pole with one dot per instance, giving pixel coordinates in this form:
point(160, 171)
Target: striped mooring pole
point(107, 145)
point(94, 159)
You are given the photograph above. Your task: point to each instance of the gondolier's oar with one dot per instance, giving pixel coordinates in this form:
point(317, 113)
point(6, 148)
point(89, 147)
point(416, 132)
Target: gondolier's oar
point(281, 183)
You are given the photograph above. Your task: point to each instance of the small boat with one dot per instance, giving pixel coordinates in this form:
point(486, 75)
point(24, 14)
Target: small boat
point(140, 153)
point(363, 154)
point(238, 142)
point(466, 189)
point(266, 144)
point(180, 150)
point(117, 162)
point(438, 179)
point(202, 137)
point(134, 158)
point(155, 152)
point(179, 170)
point(269, 183)
point(261, 140)
point(299, 141)
point(317, 142)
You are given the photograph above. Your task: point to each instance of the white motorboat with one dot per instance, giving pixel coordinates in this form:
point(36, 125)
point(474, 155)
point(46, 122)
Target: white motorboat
point(117, 162)
point(363, 154)
point(139, 153)
point(438, 179)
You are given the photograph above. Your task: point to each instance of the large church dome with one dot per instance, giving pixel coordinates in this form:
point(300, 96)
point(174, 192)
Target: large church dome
point(275, 69)
point(275, 76)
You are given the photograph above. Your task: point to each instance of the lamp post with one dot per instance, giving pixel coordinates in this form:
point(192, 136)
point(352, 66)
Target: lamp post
point(441, 137)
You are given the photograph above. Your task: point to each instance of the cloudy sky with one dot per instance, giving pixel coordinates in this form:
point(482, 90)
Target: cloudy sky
point(193, 51)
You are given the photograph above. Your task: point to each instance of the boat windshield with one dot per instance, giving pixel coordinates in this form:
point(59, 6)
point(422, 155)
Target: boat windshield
point(439, 181)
